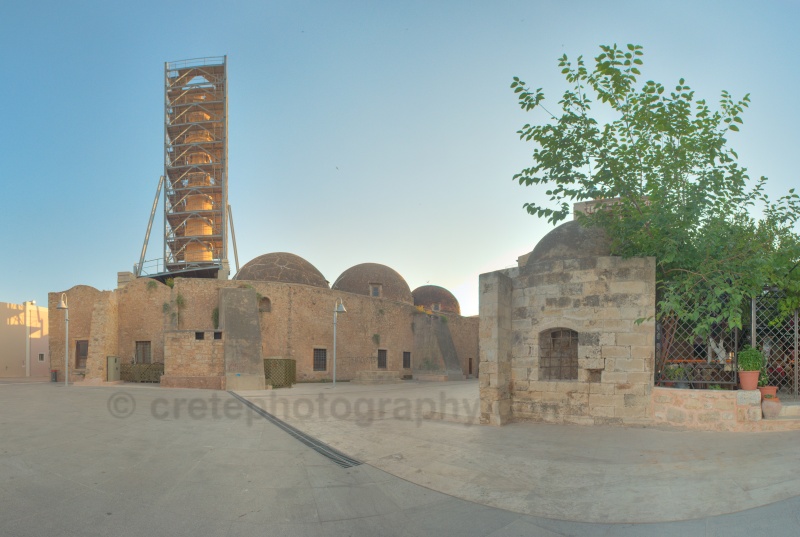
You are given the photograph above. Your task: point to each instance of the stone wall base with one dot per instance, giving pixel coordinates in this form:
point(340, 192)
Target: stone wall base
point(376, 377)
point(237, 381)
point(203, 383)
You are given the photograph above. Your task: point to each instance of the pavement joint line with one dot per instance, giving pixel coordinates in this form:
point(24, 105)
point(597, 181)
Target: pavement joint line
point(320, 447)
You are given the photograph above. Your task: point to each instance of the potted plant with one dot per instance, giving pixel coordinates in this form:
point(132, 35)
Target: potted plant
point(676, 374)
point(771, 407)
point(763, 385)
point(749, 362)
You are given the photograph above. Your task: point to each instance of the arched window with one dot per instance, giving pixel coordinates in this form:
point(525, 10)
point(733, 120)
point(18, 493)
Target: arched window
point(264, 304)
point(558, 354)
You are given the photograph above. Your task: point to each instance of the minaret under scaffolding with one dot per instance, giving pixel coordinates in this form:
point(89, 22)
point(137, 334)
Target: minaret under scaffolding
point(196, 167)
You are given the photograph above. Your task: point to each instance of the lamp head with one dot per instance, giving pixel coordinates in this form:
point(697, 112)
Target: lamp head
point(340, 307)
point(62, 305)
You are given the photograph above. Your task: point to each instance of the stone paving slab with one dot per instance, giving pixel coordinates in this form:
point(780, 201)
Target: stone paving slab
point(569, 472)
point(137, 460)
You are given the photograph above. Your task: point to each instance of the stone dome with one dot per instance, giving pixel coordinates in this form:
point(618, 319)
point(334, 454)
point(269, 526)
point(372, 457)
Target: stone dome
point(571, 240)
point(282, 267)
point(374, 280)
point(436, 298)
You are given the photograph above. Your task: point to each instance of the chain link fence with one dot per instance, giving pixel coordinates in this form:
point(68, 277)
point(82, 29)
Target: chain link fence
point(686, 360)
point(775, 333)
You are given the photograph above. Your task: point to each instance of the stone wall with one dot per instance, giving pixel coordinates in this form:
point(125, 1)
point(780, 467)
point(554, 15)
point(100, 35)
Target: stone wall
point(190, 362)
point(464, 331)
point(238, 319)
point(144, 313)
point(301, 320)
point(103, 341)
point(600, 298)
point(707, 410)
point(294, 320)
point(495, 347)
point(81, 300)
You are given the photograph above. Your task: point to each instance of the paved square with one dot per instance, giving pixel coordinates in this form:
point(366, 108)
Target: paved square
point(196, 462)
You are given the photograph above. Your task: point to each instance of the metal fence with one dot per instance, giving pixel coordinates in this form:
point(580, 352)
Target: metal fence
point(141, 372)
point(775, 333)
point(280, 372)
point(685, 360)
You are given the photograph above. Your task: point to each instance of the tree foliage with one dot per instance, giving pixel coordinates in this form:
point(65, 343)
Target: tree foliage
point(678, 191)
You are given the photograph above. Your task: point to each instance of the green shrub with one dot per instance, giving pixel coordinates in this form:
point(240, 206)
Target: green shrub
point(750, 359)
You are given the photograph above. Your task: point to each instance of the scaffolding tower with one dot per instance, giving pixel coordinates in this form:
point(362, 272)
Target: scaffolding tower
point(196, 166)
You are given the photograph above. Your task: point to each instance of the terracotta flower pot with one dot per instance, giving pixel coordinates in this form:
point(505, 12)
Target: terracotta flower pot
point(768, 390)
point(748, 380)
point(771, 408)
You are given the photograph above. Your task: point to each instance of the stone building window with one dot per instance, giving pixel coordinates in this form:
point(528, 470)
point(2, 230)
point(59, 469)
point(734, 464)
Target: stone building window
point(320, 359)
point(41, 357)
point(143, 355)
point(264, 304)
point(406, 360)
point(375, 290)
point(381, 359)
point(436, 307)
point(558, 354)
point(81, 353)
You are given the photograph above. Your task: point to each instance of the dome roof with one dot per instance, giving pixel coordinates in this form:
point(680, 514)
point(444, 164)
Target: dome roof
point(571, 240)
point(429, 296)
point(282, 267)
point(375, 280)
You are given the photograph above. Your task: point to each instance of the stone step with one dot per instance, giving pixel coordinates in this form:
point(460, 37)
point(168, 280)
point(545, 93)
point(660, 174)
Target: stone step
point(438, 376)
point(381, 376)
point(790, 410)
point(451, 418)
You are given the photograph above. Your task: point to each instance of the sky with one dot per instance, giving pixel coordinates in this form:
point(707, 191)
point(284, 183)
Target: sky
point(359, 131)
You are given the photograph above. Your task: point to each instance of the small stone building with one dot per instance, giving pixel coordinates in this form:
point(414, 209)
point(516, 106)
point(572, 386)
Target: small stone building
point(568, 335)
point(215, 333)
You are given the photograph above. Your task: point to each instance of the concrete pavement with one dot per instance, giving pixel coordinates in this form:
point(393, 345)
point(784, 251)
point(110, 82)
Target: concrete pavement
point(142, 460)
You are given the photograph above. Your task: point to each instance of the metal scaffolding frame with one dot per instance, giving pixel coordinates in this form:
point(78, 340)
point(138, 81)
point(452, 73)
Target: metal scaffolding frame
point(196, 164)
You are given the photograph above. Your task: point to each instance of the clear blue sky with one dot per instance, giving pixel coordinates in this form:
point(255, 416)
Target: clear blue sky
point(369, 131)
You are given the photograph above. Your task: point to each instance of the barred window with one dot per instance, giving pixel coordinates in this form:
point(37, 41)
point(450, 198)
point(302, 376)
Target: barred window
point(81, 353)
point(143, 352)
point(406, 360)
point(558, 354)
point(381, 359)
point(320, 359)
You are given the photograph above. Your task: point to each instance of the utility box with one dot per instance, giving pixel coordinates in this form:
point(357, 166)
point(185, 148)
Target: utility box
point(112, 368)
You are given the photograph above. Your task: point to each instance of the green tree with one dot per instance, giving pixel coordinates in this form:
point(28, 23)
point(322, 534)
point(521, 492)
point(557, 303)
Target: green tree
point(674, 188)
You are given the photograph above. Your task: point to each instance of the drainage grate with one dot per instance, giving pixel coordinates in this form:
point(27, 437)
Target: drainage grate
point(323, 449)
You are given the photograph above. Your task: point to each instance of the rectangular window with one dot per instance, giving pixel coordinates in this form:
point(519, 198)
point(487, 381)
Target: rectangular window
point(217, 335)
point(320, 359)
point(375, 290)
point(406, 360)
point(199, 336)
point(143, 352)
point(81, 353)
point(41, 357)
point(381, 359)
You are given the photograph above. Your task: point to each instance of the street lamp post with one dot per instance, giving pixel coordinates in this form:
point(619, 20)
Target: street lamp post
point(28, 337)
point(337, 308)
point(63, 306)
